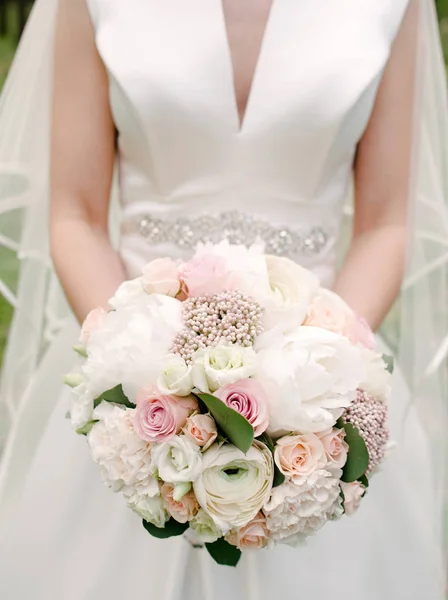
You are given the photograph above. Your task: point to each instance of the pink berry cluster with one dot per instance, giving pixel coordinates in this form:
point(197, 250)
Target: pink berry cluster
point(369, 416)
point(232, 317)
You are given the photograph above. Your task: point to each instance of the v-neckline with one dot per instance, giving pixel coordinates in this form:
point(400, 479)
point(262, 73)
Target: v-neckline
point(241, 120)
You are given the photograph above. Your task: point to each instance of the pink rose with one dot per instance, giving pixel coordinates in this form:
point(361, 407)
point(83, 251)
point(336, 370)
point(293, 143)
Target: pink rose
point(336, 448)
point(353, 493)
point(201, 429)
point(253, 535)
point(248, 398)
point(298, 455)
point(93, 321)
point(158, 417)
point(161, 276)
point(182, 510)
point(204, 276)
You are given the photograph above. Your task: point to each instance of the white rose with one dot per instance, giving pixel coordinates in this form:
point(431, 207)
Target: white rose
point(298, 509)
point(291, 289)
point(177, 460)
point(160, 276)
point(216, 367)
point(234, 486)
point(124, 458)
point(129, 293)
point(377, 379)
point(310, 376)
point(175, 377)
point(204, 529)
point(150, 508)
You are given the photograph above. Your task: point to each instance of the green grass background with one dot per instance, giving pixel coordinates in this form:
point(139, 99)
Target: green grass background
point(7, 49)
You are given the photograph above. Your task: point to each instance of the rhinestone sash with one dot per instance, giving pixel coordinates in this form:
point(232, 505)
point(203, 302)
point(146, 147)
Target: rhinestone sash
point(234, 226)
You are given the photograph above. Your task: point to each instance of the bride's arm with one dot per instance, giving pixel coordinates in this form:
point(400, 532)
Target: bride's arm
point(371, 276)
point(82, 166)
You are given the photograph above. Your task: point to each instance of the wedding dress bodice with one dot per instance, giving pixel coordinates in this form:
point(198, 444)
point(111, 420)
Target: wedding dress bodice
point(189, 171)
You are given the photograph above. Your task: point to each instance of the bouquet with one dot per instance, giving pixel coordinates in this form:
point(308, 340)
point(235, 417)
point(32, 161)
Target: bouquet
point(232, 399)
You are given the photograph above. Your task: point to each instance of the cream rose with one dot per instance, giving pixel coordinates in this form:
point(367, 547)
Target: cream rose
point(150, 508)
point(353, 494)
point(216, 367)
point(205, 530)
point(299, 455)
point(253, 535)
point(160, 276)
point(201, 429)
point(175, 377)
point(178, 460)
point(183, 509)
point(233, 486)
point(336, 449)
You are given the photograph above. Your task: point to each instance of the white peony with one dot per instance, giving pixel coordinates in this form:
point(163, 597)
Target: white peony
point(149, 507)
point(129, 293)
point(204, 529)
point(177, 460)
point(296, 510)
point(377, 379)
point(310, 376)
point(130, 345)
point(291, 289)
point(175, 377)
point(216, 367)
point(123, 457)
point(234, 486)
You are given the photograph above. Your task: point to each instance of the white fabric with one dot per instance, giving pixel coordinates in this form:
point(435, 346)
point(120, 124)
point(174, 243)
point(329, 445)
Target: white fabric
point(62, 534)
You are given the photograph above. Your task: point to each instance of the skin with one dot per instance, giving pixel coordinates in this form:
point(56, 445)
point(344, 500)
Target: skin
point(83, 157)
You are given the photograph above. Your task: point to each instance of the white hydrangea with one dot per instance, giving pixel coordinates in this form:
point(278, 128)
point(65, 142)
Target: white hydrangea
point(296, 510)
point(81, 407)
point(124, 458)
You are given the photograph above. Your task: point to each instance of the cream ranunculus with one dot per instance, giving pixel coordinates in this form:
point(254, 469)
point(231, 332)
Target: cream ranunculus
point(150, 508)
point(204, 529)
point(291, 289)
point(175, 377)
point(216, 367)
point(177, 460)
point(310, 376)
point(234, 486)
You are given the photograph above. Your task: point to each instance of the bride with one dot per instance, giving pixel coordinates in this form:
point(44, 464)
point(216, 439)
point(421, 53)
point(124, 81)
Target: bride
point(221, 119)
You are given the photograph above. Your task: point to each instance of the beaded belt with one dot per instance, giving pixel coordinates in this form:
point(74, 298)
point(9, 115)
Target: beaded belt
point(234, 226)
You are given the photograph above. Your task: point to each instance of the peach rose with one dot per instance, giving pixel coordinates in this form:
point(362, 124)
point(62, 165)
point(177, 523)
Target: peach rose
point(93, 321)
point(161, 276)
point(353, 493)
point(158, 416)
point(182, 510)
point(253, 535)
point(363, 335)
point(336, 448)
point(201, 429)
point(204, 276)
point(298, 455)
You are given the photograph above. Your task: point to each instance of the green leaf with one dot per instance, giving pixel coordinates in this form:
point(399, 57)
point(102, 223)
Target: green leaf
point(342, 495)
point(364, 481)
point(81, 350)
point(389, 360)
point(266, 439)
point(224, 553)
point(86, 429)
point(172, 528)
point(358, 456)
point(115, 395)
point(233, 425)
point(279, 478)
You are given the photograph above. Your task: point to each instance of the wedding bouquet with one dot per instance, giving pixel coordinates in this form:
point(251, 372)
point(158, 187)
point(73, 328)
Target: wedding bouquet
point(232, 399)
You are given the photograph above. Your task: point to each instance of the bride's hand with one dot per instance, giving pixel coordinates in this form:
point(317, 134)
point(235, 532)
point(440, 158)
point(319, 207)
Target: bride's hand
point(83, 156)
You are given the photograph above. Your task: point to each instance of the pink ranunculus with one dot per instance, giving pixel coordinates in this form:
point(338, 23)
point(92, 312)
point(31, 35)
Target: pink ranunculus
point(182, 510)
point(93, 321)
point(336, 448)
point(158, 417)
point(299, 455)
point(204, 276)
point(253, 535)
point(247, 397)
point(201, 429)
point(161, 276)
point(353, 493)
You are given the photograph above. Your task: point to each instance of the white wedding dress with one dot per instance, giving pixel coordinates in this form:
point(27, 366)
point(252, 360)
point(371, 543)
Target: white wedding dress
point(189, 170)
